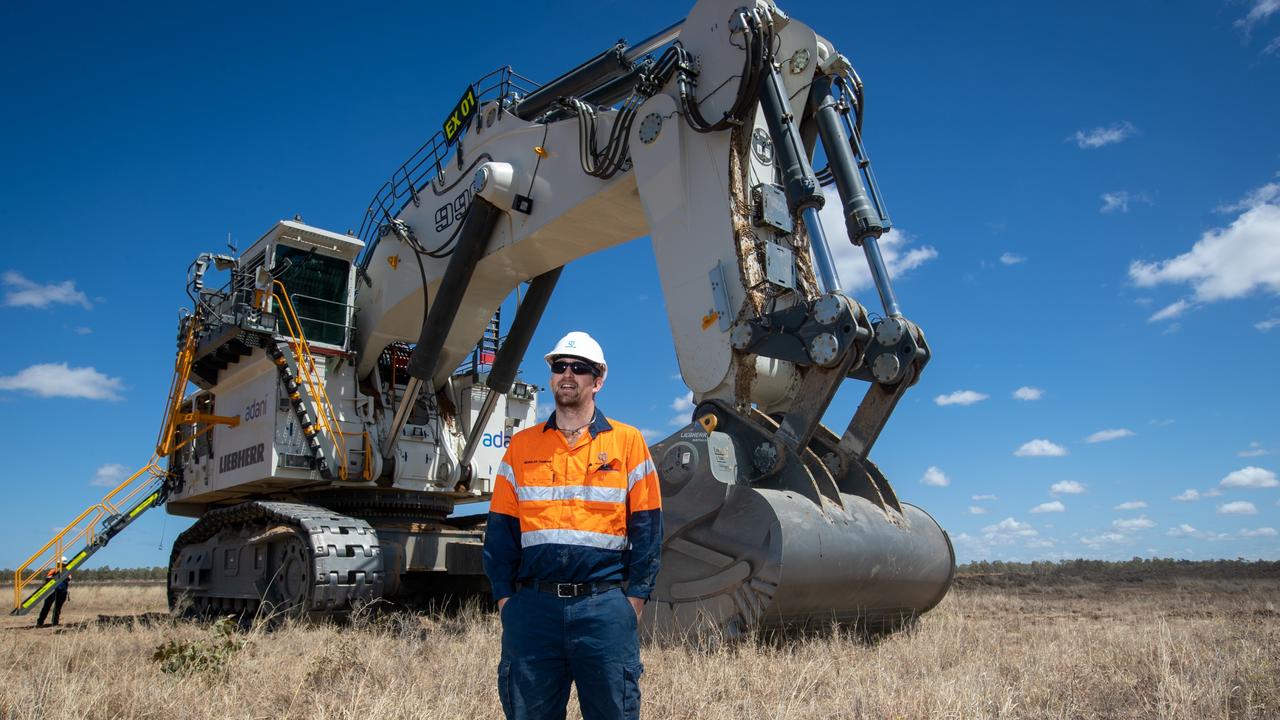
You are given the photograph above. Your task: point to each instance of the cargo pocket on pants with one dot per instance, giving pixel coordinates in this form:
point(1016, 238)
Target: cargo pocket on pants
point(631, 691)
point(504, 687)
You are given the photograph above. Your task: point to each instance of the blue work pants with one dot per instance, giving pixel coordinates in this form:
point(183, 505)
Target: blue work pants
point(549, 642)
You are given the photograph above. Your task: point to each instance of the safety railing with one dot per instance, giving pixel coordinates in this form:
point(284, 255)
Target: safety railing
point(503, 84)
point(88, 531)
point(142, 490)
point(342, 328)
point(327, 418)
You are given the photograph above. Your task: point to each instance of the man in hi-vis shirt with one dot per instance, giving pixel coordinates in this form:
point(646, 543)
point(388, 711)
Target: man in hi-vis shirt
point(571, 549)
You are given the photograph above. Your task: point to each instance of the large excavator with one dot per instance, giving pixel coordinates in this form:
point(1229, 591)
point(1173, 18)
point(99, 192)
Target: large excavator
point(352, 389)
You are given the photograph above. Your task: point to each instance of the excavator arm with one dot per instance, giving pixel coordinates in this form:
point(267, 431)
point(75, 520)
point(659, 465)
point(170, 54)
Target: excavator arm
point(772, 517)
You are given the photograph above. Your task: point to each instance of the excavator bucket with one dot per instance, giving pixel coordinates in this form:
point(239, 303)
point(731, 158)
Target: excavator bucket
point(804, 548)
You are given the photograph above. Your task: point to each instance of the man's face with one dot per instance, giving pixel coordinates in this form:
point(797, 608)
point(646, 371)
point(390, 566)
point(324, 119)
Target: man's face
point(573, 390)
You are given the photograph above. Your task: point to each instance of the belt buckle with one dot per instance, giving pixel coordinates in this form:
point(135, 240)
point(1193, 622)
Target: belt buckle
point(566, 590)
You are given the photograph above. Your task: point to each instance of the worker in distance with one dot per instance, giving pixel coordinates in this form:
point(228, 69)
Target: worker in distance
point(571, 550)
point(60, 594)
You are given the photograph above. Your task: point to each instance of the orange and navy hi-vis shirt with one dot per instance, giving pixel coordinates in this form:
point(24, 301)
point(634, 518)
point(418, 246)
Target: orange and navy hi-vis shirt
point(587, 513)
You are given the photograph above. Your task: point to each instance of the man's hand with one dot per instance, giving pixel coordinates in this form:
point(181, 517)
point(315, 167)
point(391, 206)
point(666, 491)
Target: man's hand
point(502, 601)
point(637, 604)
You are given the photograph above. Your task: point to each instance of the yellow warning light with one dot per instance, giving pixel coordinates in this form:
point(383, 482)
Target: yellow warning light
point(393, 261)
point(541, 151)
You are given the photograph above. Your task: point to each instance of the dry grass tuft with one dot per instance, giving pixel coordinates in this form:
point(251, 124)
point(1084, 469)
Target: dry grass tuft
point(1168, 649)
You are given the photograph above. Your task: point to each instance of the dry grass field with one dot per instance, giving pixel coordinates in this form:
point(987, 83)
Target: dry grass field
point(1156, 649)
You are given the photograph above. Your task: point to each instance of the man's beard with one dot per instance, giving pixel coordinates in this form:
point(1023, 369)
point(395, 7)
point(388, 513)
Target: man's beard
point(578, 400)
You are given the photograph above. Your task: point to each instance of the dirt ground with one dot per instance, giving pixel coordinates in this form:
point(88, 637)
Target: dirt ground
point(997, 647)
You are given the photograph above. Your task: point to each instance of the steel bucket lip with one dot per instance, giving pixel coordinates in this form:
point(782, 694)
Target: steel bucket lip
point(951, 550)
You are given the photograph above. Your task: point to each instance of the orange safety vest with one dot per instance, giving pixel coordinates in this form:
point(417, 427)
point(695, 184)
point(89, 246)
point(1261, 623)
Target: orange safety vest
point(580, 495)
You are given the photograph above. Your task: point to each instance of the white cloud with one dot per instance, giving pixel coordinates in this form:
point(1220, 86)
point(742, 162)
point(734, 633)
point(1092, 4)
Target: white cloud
point(1130, 505)
point(1103, 136)
point(1108, 435)
point(935, 477)
point(1052, 506)
point(1170, 311)
point(25, 293)
point(82, 330)
point(1185, 530)
point(1012, 259)
point(1118, 201)
point(1261, 10)
point(651, 435)
point(683, 405)
point(1268, 193)
point(980, 498)
point(960, 397)
point(977, 510)
point(1066, 487)
point(1026, 392)
point(1239, 507)
point(1250, 477)
point(1211, 492)
point(1142, 522)
point(1040, 448)
point(1106, 538)
point(1007, 531)
point(1272, 47)
point(109, 475)
point(1188, 495)
point(58, 380)
point(851, 264)
point(1267, 325)
point(1255, 449)
point(1226, 263)
point(1260, 532)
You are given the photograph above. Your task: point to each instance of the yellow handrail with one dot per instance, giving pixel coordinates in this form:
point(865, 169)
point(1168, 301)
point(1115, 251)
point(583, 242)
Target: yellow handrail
point(327, 419)
point(83, 530)
point(177, 388)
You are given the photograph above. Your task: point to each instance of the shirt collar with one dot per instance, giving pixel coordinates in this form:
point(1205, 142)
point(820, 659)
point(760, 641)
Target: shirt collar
point(598, 424)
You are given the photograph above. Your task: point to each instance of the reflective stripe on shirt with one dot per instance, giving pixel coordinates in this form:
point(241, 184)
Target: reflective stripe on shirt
point(505, 471)
point(573, 537)
point(640, 472)
point(590, 493)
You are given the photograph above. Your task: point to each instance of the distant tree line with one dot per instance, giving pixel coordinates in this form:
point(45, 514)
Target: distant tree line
point(1121, 569)
point(106, 573)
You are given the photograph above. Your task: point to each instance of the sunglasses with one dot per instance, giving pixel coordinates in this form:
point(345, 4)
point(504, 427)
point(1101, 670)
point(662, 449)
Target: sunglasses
point(577, 366)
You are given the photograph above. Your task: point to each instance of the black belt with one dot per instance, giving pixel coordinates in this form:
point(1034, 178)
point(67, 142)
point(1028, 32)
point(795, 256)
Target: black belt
point(568, 590)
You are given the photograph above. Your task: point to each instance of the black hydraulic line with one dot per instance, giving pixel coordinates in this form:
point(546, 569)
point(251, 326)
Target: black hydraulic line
point(617, 89)
point(599, 69)
point(505, 365)
point(473, 239)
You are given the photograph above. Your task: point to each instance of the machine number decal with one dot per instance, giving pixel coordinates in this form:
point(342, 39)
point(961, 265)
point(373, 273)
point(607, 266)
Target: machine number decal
point(452, 212)
point(462, 113)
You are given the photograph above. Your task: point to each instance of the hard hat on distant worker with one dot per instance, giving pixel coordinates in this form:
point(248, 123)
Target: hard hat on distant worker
point(63, 560)
point(582, 345)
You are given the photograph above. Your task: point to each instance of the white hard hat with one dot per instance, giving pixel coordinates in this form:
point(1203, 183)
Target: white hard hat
point(64, 559)
point(579, 344)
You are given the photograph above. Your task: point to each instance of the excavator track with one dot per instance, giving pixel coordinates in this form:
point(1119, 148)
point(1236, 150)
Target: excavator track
point(275, 558)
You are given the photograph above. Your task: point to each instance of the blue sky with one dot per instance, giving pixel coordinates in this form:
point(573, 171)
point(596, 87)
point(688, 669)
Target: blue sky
point(1086, 195)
